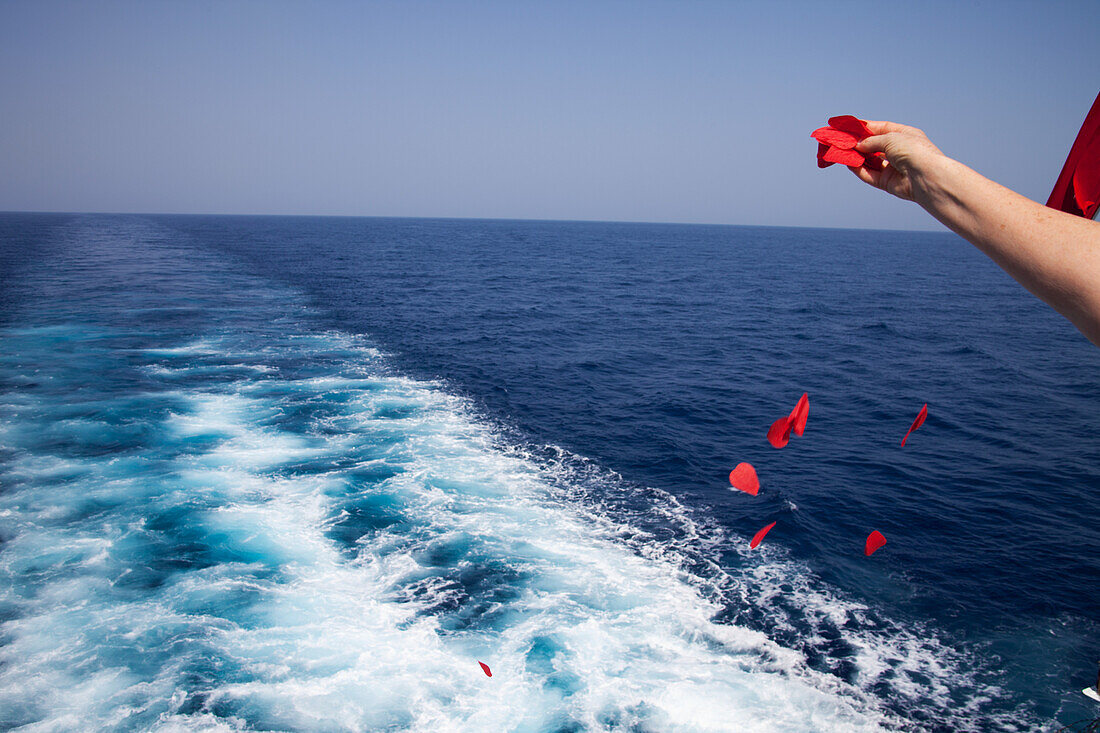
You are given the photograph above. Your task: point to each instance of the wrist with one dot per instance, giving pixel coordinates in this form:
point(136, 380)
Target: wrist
point(936, 183)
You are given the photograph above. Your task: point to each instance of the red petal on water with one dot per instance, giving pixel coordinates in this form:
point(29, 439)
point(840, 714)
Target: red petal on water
point(916, 423)
point(756, 538)
point(851, 125)
point(822, 148)
point(744, 478)
point(844, 157)
point(835, 138)
point(800, 414)
point(485, 668)
point(875, 540)
point(780, 432)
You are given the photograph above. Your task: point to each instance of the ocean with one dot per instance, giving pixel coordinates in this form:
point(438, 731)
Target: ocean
point(303, 474)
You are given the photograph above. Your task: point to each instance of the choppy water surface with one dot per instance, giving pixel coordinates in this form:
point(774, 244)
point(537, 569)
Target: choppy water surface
point(302, 474)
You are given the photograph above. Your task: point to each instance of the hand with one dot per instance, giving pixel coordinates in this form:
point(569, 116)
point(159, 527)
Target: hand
point(908, 152)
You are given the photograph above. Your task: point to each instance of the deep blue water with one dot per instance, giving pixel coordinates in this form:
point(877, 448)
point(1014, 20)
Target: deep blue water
point(301, 474)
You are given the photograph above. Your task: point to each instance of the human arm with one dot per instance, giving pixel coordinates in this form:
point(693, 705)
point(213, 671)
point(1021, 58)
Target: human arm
point(1053, 254)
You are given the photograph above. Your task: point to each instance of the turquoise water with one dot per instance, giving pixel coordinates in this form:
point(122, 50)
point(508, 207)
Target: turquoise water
point(279, 474)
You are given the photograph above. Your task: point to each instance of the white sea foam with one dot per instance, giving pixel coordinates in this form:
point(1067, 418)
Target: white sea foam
point(584, 618)
point(203, 347)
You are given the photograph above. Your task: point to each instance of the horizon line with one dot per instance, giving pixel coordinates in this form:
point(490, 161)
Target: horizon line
point(472, 218)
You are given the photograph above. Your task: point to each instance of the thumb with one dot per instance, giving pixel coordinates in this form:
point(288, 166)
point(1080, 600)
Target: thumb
point(874, 144)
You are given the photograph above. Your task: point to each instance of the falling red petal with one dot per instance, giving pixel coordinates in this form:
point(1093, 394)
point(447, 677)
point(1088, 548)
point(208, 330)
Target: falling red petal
point(485, 668)
point(851, 125)
point(835, 138)
point(756, 538)
point(916, 423)
point(921, 416)
point(800, 414)
point(875, 540)
point(844, 157)
point(743, 478)
point(780, 432)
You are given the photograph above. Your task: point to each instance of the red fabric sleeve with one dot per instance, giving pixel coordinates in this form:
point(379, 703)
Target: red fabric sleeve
point(1077, 190)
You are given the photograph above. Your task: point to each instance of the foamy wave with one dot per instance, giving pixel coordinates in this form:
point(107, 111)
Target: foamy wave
point(336, 551)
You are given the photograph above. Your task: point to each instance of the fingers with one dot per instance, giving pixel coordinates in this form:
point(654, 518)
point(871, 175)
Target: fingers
point(883, 132)
point(881, 127)
point(888, 179)
point(875, 143)
point(867, 176)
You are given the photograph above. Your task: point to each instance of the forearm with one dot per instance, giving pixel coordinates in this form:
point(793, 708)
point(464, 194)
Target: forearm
point(1053, 254)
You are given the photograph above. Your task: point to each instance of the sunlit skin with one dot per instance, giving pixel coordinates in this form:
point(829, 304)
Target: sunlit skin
point(1053, 254)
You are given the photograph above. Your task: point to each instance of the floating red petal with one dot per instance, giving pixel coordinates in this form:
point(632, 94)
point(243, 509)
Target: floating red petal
point(743, 478)
point(485, 668)
point(916, 423)
point(800, 414)
point(759, 536)
point(875, 540)
point(780, 432)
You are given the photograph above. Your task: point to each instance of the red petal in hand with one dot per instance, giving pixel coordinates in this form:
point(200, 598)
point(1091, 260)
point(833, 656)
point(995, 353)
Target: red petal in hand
point(485, 668)
point(844, 157)
point(780, 432)
point(837, 143)
point(851, 125)
point(876, 162)
point(756, 538)
point(743, 478)
point(835, 138)
point(800, 414)
point(875, 540)
point(916, 423)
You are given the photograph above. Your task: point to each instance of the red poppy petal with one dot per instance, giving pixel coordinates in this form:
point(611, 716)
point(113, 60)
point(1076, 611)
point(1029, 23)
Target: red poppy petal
point(780, 432)
point(837, 138)
point(916, 423)
point(800, 414)
point(485, 668)
point(875, 540)
point(844, 157)
point(822, 148)
point(851, 125)
point(743, 478)
point(921, 416)
point(756, 538)
point(876, 162)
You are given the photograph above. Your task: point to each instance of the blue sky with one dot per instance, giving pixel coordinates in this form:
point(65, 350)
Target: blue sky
point(637, 111)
